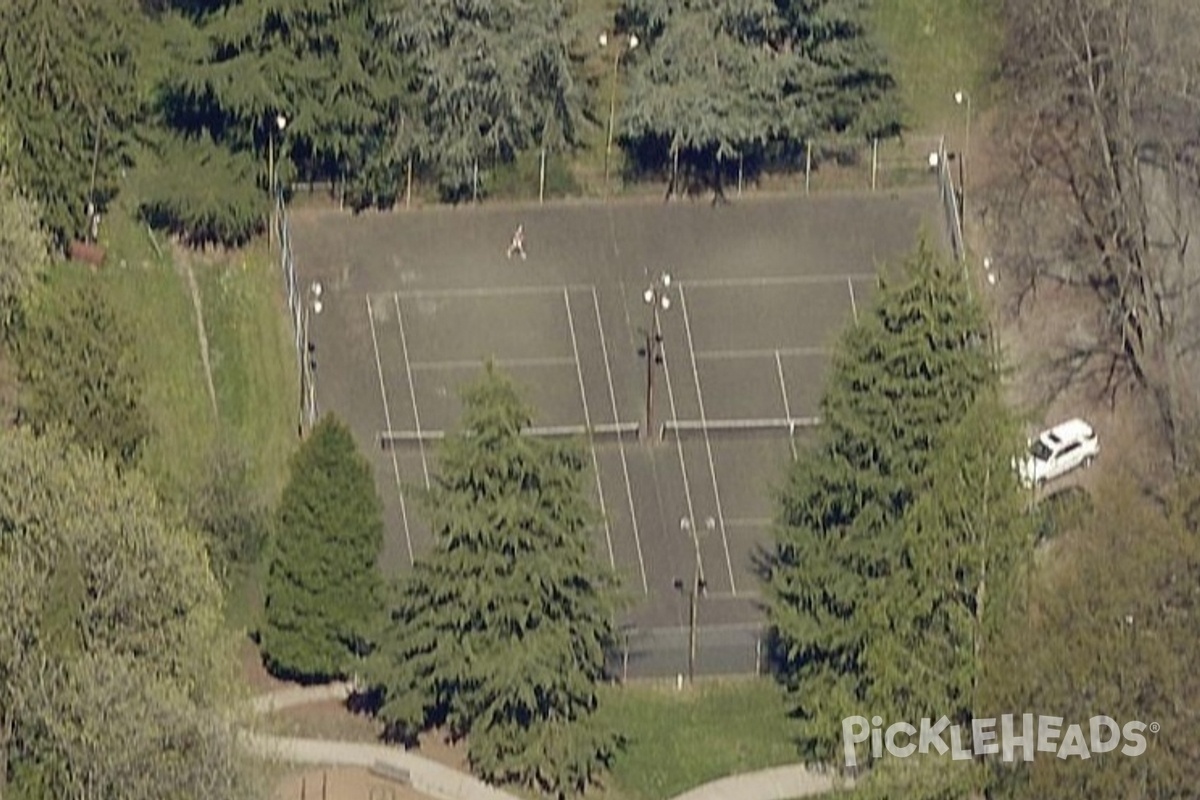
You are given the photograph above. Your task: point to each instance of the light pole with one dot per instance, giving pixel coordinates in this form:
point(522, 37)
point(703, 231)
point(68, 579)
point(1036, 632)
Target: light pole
point(699, 585)
point(280, 123)
point(620, 45)
point(655, 297)
point(964, 99)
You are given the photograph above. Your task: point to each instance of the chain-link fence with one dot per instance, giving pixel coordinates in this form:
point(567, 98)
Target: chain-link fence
point(298, 312)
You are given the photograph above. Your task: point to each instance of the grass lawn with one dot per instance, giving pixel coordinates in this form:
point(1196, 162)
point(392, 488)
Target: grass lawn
point(937, 47)
point(681, 739)
point(148, 292)
point(253, 361)
point(250, 354)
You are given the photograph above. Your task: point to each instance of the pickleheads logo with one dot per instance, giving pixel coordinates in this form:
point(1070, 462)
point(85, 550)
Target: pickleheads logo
point(1032, 734)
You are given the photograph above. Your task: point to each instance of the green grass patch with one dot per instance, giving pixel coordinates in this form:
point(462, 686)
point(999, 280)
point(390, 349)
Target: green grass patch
point(935, 48)
point(253, 361)
point(681, 739)
point(148, 292)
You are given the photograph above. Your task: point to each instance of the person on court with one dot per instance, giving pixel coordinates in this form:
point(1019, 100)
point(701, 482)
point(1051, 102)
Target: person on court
point(518, 242)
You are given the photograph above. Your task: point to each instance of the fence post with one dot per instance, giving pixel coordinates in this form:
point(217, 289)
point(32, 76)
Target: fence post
point(542, 178)
point(874, 160)
point(757, 655)
point(807, 164)
point(740, 158)
point(408, 184)
point(475, 182)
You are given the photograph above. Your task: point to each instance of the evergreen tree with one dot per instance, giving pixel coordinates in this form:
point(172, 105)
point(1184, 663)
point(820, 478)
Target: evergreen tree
point(501, 631)
point(715, 80)
point(322, 588)
point(68, 74)
point(965, 557)
point(77, 369)
point(902, 376)
point(492, 79)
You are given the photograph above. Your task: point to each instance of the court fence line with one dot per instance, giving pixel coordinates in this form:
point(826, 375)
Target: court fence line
point(298, 313)
point(648, 653)
point(789, 425)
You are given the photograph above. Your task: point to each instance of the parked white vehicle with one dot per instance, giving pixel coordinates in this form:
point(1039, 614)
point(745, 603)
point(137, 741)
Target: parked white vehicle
point(1056, 452)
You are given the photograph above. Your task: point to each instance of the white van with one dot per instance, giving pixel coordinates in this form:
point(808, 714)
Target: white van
point(1056, 452)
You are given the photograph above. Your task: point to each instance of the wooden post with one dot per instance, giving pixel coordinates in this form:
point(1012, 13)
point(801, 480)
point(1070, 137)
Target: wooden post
point(408, 185)
point(542, 179)
point(625, 660)
point(271, 189)
point(324, 785)
point(807, 165)
point(740, 158)
point(874, 161)
point(757, 655)
point(475, 181)
point(675, 171)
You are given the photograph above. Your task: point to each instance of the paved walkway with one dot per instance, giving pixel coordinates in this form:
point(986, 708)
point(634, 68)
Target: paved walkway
point(444, 783)
point(425, 776)
point(777, 783)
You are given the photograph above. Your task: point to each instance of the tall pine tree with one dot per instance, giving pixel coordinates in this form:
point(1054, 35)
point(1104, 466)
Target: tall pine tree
point(902, 376)
point(966, 551)
point(323, 586)
point(501, 631)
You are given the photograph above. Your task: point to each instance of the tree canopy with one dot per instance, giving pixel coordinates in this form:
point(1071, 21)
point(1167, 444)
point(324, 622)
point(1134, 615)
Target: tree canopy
point(68, 78)
point(78, 370)
point(501, 631)
point(323, 584)
point(714, 80)
point(903, 375)
point(114, 660)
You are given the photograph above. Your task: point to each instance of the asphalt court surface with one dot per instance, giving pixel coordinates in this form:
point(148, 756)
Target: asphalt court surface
point(405, 323)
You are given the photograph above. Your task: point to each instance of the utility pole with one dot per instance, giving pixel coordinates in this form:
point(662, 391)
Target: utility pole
point(655, 297)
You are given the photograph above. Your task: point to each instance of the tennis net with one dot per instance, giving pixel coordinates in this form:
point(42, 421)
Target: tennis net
point(602, 431)
point(628, 431)
point(683, 429)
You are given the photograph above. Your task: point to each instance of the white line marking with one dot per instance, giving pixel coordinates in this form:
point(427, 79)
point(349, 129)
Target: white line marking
point(713, 355)
point(787, 410)
point(505, 363)
point(587, 420)
point(412, 390)
point(779, 280)
point(612, 397)
point(387, 416)
point(853, 304)
point(494, 291)
point(712, 469)
point(687, 486)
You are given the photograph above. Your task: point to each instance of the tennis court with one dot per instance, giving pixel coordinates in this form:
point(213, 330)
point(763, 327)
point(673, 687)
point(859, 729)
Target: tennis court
point(413, 305)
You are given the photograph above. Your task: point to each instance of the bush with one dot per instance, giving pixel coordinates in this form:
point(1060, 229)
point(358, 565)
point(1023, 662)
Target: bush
point(226, 513)
point(203, 194)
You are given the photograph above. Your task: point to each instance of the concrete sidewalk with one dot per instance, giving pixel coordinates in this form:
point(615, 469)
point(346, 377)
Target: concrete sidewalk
point(426, 776)
point(444, 783)
point(777, 783)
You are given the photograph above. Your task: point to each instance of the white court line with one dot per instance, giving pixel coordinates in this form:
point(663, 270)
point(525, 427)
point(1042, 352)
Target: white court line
point(787, 410)
point(387, 417)
point(412, 390)
point(712, 469)
point(612, 397)
point(853, 304)
point(587, 420)
point(779, 280)
point(714, 355)
point(494, 291)
point(505, 363)
point(687, 486)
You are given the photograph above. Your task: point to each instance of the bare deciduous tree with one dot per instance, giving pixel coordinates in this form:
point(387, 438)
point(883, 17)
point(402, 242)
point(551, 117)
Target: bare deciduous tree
point(1103, 190)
